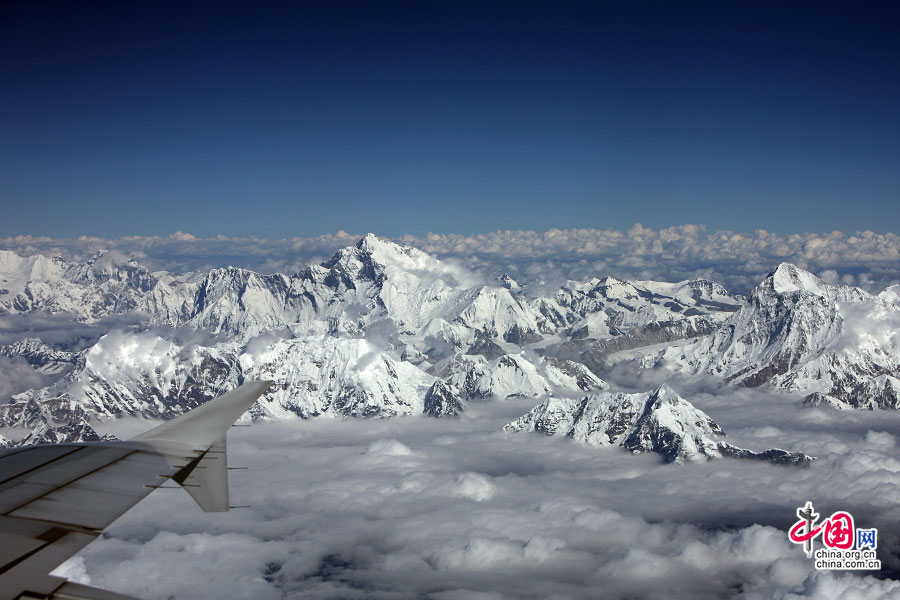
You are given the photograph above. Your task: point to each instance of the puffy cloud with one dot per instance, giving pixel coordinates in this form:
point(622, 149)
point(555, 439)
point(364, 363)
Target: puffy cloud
point(182, 251)
point(17, 376)
point(736, 259)
point(60, 330)
point(448, 509)
point(428, 508)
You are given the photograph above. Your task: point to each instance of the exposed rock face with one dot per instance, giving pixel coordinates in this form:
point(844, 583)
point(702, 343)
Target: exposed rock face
point(485, 346)
point(629, 304)
point(100, 287)
point(41, 356)
point(382, 329)
point(879, 392)
point(660, 421)
point(53, 421)
point(839, 344)
point(442, 400)
point(71, 432)
point(773, 455)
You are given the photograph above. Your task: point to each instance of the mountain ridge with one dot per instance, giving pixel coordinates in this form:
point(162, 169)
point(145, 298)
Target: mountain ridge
point(406, 334)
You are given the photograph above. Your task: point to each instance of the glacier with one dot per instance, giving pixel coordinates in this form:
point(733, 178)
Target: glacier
point(384, 330)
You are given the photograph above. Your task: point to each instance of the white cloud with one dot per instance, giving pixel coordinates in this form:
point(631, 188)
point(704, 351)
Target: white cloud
point(736, 259)
point(450, 509)
point(427, 508)
point(17, 376)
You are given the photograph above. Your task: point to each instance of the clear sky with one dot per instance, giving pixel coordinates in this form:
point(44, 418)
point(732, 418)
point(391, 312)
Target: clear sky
point(294, 119)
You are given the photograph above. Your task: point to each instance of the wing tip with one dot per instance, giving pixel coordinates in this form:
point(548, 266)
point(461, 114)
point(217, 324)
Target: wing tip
point(207, 423)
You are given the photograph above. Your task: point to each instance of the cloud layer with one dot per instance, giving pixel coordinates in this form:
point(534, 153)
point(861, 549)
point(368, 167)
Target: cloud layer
point(446, 510)
point(426, 508)
point(737, 260)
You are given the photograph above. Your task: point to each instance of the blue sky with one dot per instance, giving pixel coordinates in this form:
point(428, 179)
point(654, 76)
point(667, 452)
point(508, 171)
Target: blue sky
point(296, 119)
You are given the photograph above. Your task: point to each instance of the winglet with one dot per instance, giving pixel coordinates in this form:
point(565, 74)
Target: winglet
point(206, 425)
point(203, 430)
point(206, 479)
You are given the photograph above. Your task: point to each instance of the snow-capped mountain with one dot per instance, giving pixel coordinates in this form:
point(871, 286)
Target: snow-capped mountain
point(838, 344)
point(373, 281)
point(329, 376)
point(41, 356)
point(658, 421)
point(52, 421)
point(88, 291)
point(143, 374)
point(382, 329)
point(515, 375)
point(891, 294)
point(629, 304)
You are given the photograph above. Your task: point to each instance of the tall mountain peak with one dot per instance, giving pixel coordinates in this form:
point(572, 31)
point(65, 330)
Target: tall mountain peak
point(788, 278)
point(660, 421)
point(370, 242)
point(891, 294)
point(380, 251)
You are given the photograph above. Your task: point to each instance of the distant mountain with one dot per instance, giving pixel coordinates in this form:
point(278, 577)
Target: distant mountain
point(382, 329)
point(838, 344)
point(660, 422)
point(41, 356)
point(373, 281)
point(87, 291)
point(630, 304)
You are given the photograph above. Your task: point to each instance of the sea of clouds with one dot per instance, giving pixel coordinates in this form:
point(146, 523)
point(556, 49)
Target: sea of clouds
point(416, 507)
point(737, 260)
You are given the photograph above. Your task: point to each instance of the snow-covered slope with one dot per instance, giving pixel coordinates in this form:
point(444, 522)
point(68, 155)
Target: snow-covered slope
point(100, 287)
point(659, 421)
point(515, 375)
point(628, 304)
point(41, 356)
point(382, 329)
point(144, 374)
point(374, 281)
point(799, 333)
point(327, 376)
point(891, 294)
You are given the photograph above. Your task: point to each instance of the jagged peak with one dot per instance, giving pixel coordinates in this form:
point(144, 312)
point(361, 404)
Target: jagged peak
point(665, 391)
point(703, 284)
point(384, 250)
point(373, 255)
point(109, 260)
point(9, 257)
point(378, 249)
point(29, 343)
point(891, 294)
point(97, 255)
point(609, 280)
point(11, 261)
point(508, 282)
point(230, 271)
point(788, 278)
point(370, 242)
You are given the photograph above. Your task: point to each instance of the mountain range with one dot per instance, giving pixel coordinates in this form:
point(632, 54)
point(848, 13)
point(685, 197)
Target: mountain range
point(382, 329)
point(660, 421)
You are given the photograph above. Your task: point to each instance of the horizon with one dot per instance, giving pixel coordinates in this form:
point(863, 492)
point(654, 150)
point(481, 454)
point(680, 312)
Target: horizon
point(543, 260)
point(430, 429)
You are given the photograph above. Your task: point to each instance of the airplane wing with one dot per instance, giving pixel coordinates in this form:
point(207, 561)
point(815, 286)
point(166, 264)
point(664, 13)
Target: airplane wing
point(56, 499)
